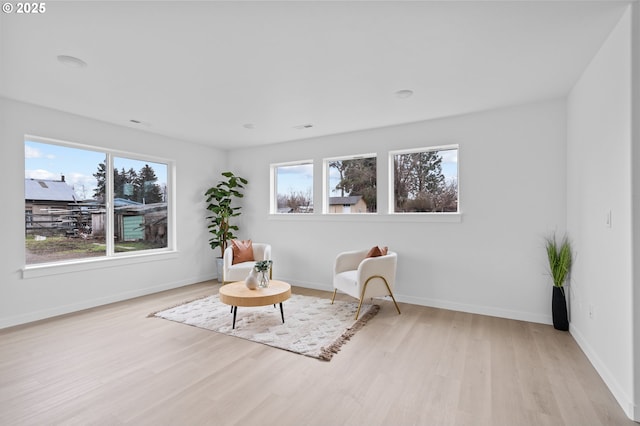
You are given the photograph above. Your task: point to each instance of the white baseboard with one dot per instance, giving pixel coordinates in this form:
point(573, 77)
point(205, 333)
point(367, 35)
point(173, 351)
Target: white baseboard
point(92, 303)
point(476, 309)
point(625, 400)
point(443, 304)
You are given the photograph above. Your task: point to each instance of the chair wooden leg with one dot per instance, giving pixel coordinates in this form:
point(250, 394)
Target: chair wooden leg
point(334, 295)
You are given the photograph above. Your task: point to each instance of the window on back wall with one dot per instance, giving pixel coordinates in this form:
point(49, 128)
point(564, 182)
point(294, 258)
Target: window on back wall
point(81, 203)
point(425, 180)
point(351, 184)
point(292, 187)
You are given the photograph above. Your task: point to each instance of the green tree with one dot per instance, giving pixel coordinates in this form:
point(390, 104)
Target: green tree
point(425, 172)
point(150, 191)
point(119, 179)
point(101, 178)
point(419, 184)
point(138, 186)
point(358, 177)
point(340, 167)
point(131, 188)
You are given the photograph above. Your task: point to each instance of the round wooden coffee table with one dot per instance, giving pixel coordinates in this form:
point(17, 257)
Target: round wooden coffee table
point(237, 294)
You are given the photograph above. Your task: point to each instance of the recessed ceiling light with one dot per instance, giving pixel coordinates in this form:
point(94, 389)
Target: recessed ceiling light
point(71, 61)
point(403, 94)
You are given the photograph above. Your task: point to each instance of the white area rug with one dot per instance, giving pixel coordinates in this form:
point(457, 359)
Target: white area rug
point(312, 325)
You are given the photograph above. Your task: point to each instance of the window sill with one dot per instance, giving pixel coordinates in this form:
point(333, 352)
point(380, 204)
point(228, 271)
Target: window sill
point(371, 217)
point(79, 265)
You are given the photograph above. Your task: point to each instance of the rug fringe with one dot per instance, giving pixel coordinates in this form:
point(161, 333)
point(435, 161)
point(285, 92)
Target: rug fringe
point(327, 352)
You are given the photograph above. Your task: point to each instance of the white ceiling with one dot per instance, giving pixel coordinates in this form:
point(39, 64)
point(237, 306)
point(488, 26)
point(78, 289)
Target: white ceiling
point(200, 71)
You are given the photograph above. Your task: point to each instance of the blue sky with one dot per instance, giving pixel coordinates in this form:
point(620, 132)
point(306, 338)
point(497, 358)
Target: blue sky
point(48, 161)
point(300, 177)
point(450, 164)
point(295, 178)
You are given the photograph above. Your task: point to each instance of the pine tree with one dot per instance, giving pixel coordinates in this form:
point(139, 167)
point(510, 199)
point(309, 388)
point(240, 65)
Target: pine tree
point(148, 191)
point(138, 186)
point(101, 179)
point(419, 183)
point(359, 177)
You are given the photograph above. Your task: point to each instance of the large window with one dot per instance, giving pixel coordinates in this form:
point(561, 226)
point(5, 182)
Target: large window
point(351, 184)
point(425, 181)
point(292, 187)
point(81, 202)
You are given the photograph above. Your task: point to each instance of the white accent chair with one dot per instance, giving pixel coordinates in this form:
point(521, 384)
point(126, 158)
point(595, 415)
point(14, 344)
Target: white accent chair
point(239, 271)
point(361, 277)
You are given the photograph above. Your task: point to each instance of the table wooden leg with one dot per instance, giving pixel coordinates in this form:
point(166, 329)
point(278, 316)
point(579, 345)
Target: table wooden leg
point(281, 312)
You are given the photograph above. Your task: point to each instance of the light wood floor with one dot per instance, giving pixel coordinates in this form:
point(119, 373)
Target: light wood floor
point(112, 365)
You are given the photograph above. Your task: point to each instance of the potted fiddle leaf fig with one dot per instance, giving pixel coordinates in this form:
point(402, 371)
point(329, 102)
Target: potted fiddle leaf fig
point(560, 259)
point(220, 203)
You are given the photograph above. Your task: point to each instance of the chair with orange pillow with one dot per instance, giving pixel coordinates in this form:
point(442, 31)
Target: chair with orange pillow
point(240, 257)
point(365, 273)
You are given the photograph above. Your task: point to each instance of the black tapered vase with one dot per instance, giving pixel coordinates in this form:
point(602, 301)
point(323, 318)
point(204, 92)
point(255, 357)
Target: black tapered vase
point(559, 309)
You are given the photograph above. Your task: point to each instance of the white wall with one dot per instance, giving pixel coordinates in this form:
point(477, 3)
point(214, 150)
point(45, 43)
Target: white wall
point(599, 181)
point(635, 184)
point(512, 194)
point(23, 300)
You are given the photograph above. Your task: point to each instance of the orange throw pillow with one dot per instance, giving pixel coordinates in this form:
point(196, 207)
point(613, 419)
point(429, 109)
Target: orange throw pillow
point(242, 251)
point(377, 251)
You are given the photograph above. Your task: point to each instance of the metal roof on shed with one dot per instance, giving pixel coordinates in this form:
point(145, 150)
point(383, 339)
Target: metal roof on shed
point(48, 190)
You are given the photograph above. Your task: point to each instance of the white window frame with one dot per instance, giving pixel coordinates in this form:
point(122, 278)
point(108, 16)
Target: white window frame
point(326, 190)
point(273, 187)
point(391, 195)
point(160, 254)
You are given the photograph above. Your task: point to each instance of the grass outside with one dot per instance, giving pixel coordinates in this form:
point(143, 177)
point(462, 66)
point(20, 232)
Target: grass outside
point(58, 248)
point(64, 245)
